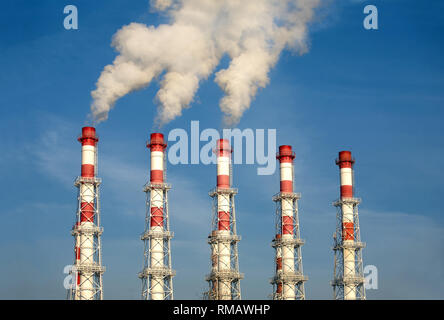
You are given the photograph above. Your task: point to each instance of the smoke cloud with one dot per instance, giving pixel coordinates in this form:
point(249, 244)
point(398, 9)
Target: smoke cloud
point(181, 54)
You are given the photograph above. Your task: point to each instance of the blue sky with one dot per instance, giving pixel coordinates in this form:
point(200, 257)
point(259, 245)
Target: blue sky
point(377, 93)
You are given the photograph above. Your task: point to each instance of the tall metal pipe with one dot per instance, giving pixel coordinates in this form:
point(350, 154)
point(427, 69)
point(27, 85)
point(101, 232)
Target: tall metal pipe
point(289, 279)
point(345, 163)
point(224, 277)
point(157, 273)
point(87, 230)
point(348, 274)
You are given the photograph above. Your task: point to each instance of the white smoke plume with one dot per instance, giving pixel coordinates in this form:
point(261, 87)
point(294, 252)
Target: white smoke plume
point(252, 33)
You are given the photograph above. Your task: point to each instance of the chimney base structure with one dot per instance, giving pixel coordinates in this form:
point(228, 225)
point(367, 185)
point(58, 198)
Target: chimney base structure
point(157, 275)
point(87, 270)
point(348, 281)
point(288, 282)
point(224, 278)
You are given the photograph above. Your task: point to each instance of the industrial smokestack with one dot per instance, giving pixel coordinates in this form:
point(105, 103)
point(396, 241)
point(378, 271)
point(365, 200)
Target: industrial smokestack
point(224, 277)
point(87, 231)
point(188, 50)
point(348, 282)
point(157, 283)
point(288, 282)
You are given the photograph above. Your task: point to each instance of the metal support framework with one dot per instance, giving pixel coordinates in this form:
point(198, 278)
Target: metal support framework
point(224, 280)
point(288, 280)
point(354, 282)
point(157, 274)
point(88, 275)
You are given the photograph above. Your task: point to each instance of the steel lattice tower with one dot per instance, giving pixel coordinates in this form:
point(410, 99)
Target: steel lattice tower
point(157, 275)
point(87, 270)
point(348, 281)
point(288, 281)
point(224, 278)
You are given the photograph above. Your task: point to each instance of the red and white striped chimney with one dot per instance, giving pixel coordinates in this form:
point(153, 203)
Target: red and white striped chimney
point(85, 253)
point(345, 163)
point(224, 277)
point(157, 147)
point(223, 160)
point(286, 157)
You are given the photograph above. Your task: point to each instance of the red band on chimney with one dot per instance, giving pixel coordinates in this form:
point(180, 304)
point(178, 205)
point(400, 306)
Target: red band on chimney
point(345, 159)
point(88, 136)
point(223, 181)
point(348, 231)
point(287, 225)
point(223, 148)
point(285, 154)
point(87, 212)
point(347, 191)
point(156, 176)
point(156, 217)
point(157, 142)
point(88, 171)
point(286, 186)
point(223, 220)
